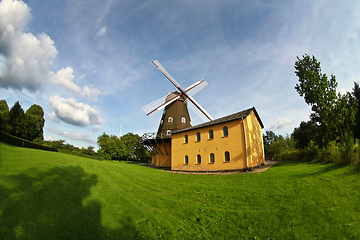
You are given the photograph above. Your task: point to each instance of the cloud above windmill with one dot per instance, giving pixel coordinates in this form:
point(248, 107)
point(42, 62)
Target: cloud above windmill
point(24, 58)
point(74, 113)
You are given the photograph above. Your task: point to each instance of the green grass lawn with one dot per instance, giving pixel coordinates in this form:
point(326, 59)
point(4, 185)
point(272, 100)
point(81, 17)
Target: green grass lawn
point(51, 195)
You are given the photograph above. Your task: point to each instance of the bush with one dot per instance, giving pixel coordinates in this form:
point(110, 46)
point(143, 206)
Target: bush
point(283, 149)
point(329, 154)
point(15, 141)
point(349, 151)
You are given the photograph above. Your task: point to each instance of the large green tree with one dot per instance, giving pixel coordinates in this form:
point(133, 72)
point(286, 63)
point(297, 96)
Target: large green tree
point(134, 147)
point(17, 120)
point(34, 121)
point(319, 92)
point(333, 115)
point(111, 147)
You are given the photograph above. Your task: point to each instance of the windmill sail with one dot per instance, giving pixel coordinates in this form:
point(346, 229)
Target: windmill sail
point(187, 94)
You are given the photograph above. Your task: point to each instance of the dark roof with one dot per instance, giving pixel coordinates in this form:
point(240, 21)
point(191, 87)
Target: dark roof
point(235, 116)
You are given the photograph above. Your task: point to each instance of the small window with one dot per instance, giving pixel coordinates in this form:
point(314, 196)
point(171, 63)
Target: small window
point(198, 137)
point(212, 158)
point(227, 156)
point(225, 131)
point(183, 120)
point(186, 139)
point(170, 119)
point(168, 132)
point(211, 134)
point(186, 160)
point(198, 159)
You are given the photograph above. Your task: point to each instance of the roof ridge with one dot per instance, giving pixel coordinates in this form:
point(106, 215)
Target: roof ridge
point(239, 115)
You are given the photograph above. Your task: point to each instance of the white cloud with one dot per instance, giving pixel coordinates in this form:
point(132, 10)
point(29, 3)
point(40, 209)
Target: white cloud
point(48, 138)
point(74, 113)
point(64, 78)
point(97, 128)
point(281, 123)
point(51, 117)
point(25, 58)
point(101, 32)
point(75, 136)
point(90, 92)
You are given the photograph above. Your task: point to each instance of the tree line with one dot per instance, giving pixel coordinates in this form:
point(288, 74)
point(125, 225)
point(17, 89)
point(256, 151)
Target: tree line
point(127, 147)
point(26, 125)
point(332, 134)
point(29, 125)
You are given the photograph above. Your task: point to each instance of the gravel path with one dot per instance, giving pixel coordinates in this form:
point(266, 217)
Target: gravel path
point(268, 164)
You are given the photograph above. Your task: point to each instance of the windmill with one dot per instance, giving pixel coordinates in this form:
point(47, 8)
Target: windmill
point(176, 115)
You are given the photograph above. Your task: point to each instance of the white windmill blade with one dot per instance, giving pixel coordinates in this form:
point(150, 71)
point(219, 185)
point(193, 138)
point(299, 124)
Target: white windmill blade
point(166, 74)
point(159, 104)
point(202, 110)
point(197, 111)
point(151, 106)
point(196, 87)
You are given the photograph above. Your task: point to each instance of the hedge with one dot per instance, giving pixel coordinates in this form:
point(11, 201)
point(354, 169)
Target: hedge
point(6, 138)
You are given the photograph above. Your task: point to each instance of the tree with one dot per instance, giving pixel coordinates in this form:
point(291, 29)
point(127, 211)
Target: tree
point(4, 116)
point(89, 150)
point(269, 138)
point(344, 116)
point(16, 120)
point(305, 133)
point(34, 119)
point(134, 147)
point(333, 114)
point(111, 147)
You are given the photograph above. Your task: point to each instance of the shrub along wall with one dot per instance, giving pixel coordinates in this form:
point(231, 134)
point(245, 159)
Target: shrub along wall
point(6, 138)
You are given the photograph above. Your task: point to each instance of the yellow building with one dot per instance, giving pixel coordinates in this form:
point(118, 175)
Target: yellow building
point(233, 142)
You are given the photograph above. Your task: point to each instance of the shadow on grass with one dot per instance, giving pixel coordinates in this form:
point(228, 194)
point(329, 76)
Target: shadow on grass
point(53, 205)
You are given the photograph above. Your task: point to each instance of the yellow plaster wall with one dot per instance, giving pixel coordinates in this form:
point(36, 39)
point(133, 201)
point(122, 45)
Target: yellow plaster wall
point(160, 154)
point(256, 155)
point(234, 144)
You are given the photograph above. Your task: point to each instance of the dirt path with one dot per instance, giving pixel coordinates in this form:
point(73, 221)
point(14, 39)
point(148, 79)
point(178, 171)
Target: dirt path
point(268, 164)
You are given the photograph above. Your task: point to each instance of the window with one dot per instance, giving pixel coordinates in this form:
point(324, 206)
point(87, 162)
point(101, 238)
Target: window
point(225, 131)
point(168, 132)
point(198, 137)
point(212, 158)
point(186, 139)
point(183, 120)
point(198, 159)
point(211, 134)
point(186, 160)
point(170, 119)
point(227, 156)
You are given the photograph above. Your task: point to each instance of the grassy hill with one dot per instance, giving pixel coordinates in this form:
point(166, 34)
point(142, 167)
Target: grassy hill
point(50, 195)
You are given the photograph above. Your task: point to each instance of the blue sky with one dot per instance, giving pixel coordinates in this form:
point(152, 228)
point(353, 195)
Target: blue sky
point(88, 63)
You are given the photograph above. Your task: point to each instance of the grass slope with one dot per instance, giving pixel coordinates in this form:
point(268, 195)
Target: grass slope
point(49, 195)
